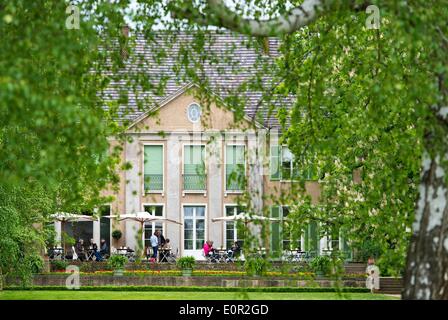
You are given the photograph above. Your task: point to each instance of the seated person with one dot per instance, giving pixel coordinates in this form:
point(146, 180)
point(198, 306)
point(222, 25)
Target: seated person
point(103, 248)
point(167, 245)
point(102, 252)
point(235, 249)
point(165, 251)
point(94, 248)
point(209, 251)
point(80, 250)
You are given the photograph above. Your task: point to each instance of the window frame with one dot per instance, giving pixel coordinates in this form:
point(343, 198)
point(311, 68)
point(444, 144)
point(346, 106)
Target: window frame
point(235, 206)
point(225, 167)
point(182, 235)
point(150, 204)
point(183, 167)
point(162, 191)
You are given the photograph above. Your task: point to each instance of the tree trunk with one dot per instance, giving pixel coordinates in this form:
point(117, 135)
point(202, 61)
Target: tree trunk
point(426, 274)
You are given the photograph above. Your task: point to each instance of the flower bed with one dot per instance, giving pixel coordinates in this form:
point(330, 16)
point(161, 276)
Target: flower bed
point(197, 289)
point(205, 273)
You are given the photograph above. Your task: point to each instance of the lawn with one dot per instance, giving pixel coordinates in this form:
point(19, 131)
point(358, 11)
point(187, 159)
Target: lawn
point(135, 295)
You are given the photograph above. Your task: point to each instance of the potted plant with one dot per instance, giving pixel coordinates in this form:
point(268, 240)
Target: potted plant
point(116, 234)
point(321, 265)
point(256, 266)
point(59, 265)
point(186, 264)
point(117, 262)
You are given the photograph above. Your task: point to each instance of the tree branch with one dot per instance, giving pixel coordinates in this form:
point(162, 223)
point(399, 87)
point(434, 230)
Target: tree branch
point(218, 14)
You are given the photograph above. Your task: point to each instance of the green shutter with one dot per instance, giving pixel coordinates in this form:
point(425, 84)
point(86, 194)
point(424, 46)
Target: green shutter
point(235, 167)
point(275, 163)
point(153, 167)
point(194, 167)
point(275, 231)
point(313, 237)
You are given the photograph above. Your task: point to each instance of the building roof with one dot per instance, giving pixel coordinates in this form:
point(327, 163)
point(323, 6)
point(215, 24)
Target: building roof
point(229, 63)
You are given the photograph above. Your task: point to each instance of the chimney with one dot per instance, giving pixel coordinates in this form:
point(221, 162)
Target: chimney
point(123, 44)
point(125, 31)
point(266, 46)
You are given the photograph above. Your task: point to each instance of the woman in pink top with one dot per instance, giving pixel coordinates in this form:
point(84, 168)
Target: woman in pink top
point(208, 247)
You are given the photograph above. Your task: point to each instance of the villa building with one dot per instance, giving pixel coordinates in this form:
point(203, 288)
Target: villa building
point(192, 162)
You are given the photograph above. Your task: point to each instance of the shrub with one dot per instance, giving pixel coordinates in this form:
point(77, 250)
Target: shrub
point(116, 234)
point(117, 261)
point(186, 262)
point(368, 248)
point(321, 265)
point(35, 263)
point(197, 289)
point(256, 266)
point(59, 264)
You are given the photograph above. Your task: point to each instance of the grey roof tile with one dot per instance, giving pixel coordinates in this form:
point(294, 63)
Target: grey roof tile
point(228, 63)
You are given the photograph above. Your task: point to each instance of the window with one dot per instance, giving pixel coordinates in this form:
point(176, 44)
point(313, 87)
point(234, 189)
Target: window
point(283, 235)
point(232, 227)
point(105, 225)
point(288, 171)
point(194, 227)
point(284, 167)
point(194, 177)
point(235, 168)
point(311, 236)
point(153, 168)
point(151, 227)
point(287, 236)
point(194, 112)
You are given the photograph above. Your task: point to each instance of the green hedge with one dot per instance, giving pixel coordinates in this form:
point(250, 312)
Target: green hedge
point(196, 289)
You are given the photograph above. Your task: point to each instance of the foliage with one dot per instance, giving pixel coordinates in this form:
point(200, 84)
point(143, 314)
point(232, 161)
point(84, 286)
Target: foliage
point(20, 241)
point(116, 234)
point(117, 262)
point(187, 262)
point(255, 265)
point(53, 127)
point(59, 264)
point(35, 263)
point(367, 249)
point(321, 264)
point(199, 289)
point(67, 239)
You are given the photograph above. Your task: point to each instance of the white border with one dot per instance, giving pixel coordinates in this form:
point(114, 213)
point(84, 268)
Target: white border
point(194, 234)
point(184, 144)
point(226, 192)
point(144, 192)
point(188, 114)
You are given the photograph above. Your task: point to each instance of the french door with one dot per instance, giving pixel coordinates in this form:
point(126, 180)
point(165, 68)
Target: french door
point(194, 230)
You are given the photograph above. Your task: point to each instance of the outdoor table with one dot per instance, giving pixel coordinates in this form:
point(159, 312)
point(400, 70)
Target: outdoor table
point(122, 251)
point(299, 255)
point(57, 253)
point(164, 254)
point(222, 255)
point(90, 253)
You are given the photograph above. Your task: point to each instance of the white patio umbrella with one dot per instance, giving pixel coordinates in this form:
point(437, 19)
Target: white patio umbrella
point(142, 217)
point(64, 217)
point(246, 218)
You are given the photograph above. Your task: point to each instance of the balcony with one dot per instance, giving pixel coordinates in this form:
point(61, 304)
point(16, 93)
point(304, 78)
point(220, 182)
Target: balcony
point(195, 182)
point(153, 182)
point(234, 183)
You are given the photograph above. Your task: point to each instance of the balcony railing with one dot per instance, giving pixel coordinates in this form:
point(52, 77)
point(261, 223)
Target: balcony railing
point(195, 182)
point(234, 183)
point(153, 182)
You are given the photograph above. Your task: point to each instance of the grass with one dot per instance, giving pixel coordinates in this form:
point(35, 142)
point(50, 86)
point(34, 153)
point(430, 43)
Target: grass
point(173, 295)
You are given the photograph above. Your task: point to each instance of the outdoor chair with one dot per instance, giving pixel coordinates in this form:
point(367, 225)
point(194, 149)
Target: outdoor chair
point(74, 256)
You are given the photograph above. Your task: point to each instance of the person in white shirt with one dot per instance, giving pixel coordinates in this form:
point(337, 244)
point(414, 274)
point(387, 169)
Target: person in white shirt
point(373, 276)
point(154, 244)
